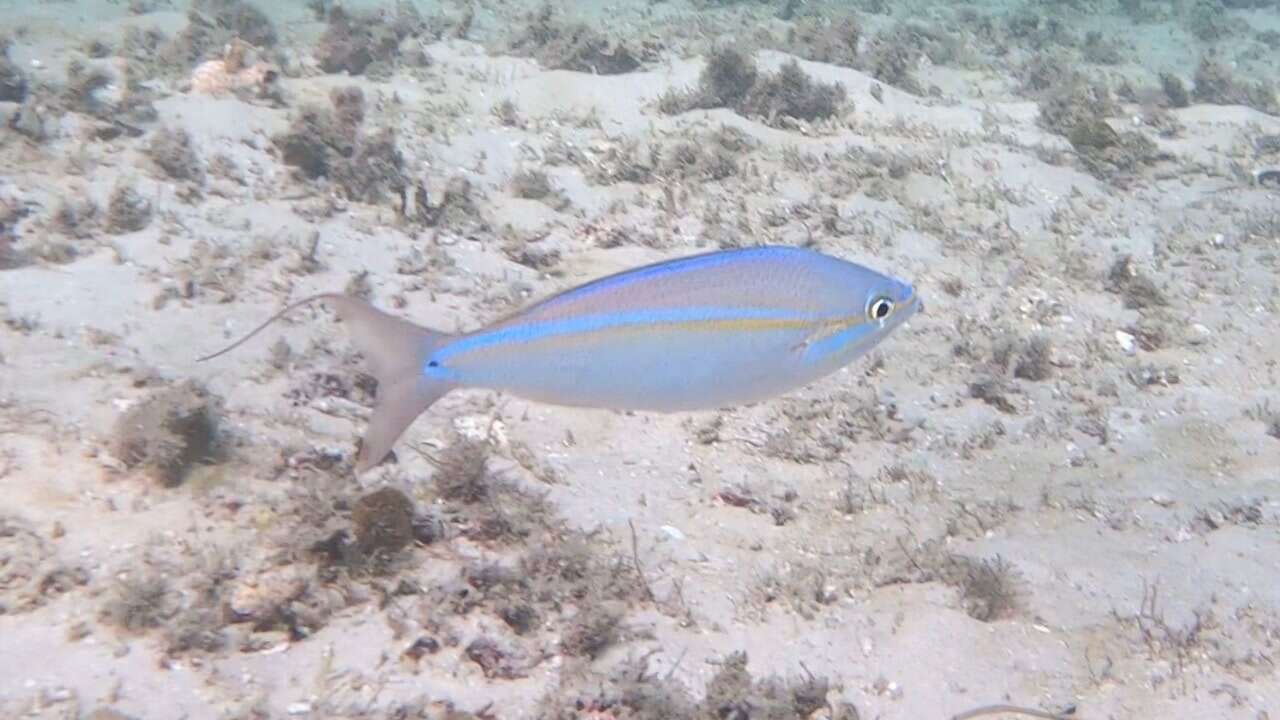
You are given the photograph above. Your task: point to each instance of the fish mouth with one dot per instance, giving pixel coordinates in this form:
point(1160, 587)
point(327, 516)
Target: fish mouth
point(915, 304)
point(908, 307)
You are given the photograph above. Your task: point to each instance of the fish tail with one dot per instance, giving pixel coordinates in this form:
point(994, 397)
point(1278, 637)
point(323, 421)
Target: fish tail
point(395, 351)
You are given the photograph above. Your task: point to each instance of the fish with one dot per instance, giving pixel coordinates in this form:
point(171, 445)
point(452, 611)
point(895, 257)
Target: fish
point(708, 331)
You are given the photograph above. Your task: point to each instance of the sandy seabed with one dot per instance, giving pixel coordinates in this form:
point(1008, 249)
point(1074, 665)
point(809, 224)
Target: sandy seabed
point(1058, 488)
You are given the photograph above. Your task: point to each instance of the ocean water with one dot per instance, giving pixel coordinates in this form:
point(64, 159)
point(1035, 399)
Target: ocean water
point(1055, 489)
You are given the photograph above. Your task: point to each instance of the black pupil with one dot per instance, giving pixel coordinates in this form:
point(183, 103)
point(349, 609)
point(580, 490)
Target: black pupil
point(880, 310)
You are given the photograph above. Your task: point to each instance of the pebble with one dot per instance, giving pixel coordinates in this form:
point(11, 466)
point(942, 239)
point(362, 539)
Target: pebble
point(1127, 342)
point(298, 708)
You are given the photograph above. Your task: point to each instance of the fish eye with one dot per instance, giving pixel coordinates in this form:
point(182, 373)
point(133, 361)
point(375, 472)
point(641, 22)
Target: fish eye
point(879, 309)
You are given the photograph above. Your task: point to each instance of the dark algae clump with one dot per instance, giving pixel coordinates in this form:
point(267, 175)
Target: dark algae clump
point(731, 79)
point(792, 93)
point(1139, 291)
point(331, 143)
point(173, 151)
point(383, 522)
point(167, 433)
point(211, 26)
point(128, 210)
point(559, 45)
point(13, 82)
point(727, 77)
point(234, 19)
point(353, 42)
point(1216, 83)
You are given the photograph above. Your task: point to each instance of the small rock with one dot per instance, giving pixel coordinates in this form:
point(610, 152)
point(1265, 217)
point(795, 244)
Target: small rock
point(1200, 334)
point(425, 645)
point(1127, 342)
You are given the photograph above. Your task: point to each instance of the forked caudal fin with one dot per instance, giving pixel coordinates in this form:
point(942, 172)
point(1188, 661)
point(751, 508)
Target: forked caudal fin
point(396, 351)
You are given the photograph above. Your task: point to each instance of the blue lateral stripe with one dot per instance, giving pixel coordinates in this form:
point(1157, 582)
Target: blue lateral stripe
point(605, 321)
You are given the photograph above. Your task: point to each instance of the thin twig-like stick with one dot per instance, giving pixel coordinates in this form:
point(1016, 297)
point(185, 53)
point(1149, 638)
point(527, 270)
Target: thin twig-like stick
point(1009, 709)
point(635, 557)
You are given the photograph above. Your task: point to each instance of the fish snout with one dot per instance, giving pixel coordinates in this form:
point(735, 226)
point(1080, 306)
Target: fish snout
point(909, 299)
point(909, 302)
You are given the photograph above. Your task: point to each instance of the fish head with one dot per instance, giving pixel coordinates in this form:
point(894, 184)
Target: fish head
point(887, 302)
point(872, 306)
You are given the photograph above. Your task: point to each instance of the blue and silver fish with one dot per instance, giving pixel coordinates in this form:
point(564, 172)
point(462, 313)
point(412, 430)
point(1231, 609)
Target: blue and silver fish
point(694, 333)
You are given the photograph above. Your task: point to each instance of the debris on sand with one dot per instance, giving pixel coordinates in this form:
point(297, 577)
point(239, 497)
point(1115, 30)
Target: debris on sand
point(329, 142)
point(730, 79)
point(712, 155)
point(173, 151)
point(239, 71)
point(990, 590)
point(1174, 90)
point(791, 93)
point(891, 55)
point(140, 602)
point(1035, 360)
point(631, 691)
point(353, 42)
point(11, 212)
point(835, 41)
point(213, 28)
point(128, 210)
point(374, 172)
point(220, 21)
point(1079, 109)
point(726, 78)
point(494, 661)
point(733, 692)
point(31, 573)
point(76, 215)
point(490, 508)
point(169, 432)
point(106, 713)
point(558, 45)
point(84, 91)
point(13, 82)
point(383, 522)
point(1131, 283)
point(591, 631)
point(462, 471)
point(531, 185)
point(1216, 83)
point(31, 121)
